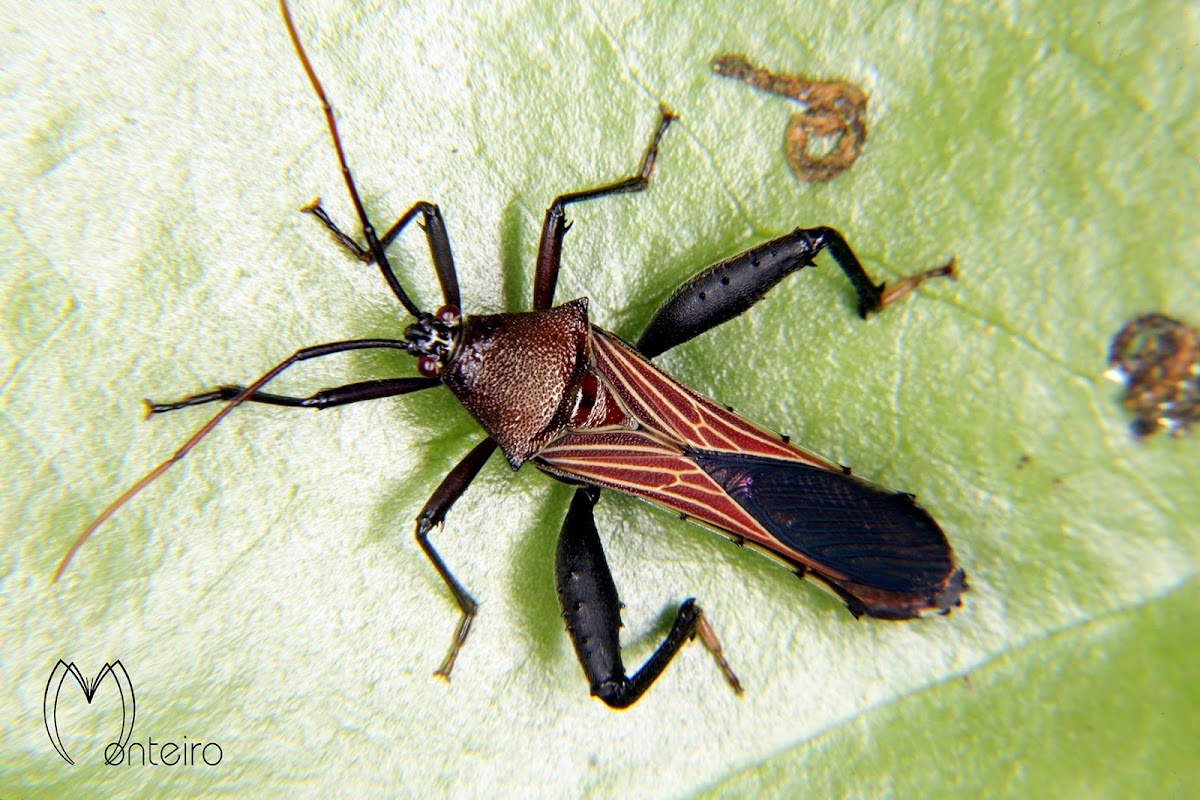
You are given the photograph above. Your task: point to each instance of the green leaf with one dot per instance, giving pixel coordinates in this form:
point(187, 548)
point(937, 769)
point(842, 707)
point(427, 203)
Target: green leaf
point(267, 595)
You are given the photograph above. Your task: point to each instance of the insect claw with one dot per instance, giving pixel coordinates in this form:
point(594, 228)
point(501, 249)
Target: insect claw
point(913, 281)
point(460, 637)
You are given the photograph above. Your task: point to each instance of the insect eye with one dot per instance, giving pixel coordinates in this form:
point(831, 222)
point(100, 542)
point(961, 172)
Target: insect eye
point(428, 366)
point(449, 316)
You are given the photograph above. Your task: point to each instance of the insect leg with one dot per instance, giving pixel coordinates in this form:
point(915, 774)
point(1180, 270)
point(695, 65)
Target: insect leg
point(303, 354)
point(373, 247)
point(555, 225)
point(730, 287)
point(435, 235)
point(451, 488)
point(589, 602)
point(326, 398)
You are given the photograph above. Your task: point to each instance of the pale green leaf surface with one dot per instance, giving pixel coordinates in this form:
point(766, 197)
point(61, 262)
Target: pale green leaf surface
point(267, 594)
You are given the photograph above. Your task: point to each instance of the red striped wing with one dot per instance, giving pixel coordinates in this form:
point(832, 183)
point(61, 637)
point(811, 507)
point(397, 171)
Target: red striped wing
point(663, 404)
point(637, 463)
point(876, 548)
point(650, 462)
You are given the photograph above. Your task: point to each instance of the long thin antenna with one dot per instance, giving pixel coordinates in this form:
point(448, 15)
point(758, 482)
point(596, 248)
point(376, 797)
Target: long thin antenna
point(369, 234)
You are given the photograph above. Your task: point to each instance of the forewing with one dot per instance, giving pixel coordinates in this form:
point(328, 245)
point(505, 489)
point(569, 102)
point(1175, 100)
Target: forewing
point(642, 465)
point(879, 546)
point(663, 404)
point(877, 549)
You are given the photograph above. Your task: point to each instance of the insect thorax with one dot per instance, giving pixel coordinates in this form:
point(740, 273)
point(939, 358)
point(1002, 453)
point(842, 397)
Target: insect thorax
point(519, 374)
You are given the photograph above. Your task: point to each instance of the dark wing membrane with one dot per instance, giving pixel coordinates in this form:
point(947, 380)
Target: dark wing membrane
point(880, 550)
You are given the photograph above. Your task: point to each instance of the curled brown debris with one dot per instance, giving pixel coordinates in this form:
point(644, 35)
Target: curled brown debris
point(832, 110)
